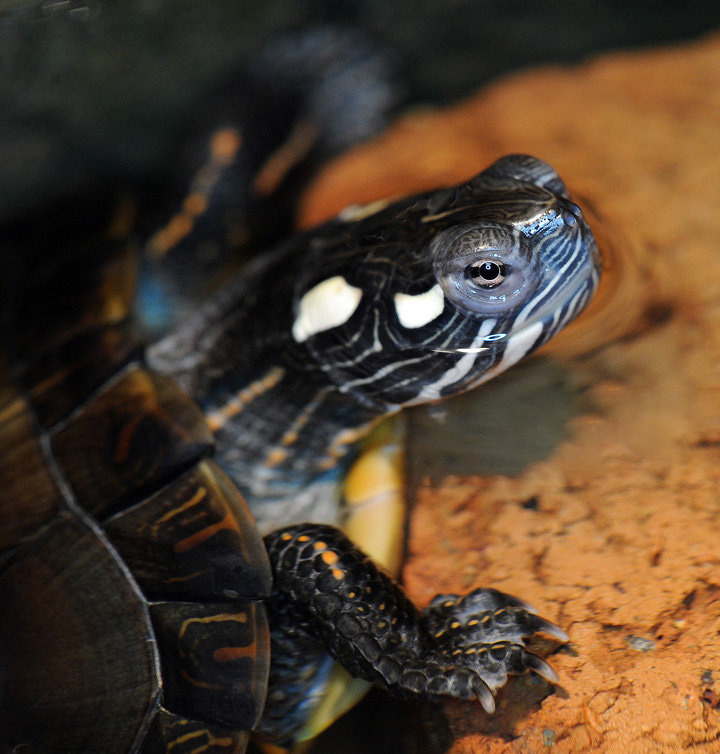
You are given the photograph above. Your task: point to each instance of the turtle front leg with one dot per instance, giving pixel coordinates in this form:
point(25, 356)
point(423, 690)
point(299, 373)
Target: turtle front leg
point(328, 596)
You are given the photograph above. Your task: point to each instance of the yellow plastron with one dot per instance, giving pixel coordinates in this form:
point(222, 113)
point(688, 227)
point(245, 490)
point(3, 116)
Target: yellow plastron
point(375, 515)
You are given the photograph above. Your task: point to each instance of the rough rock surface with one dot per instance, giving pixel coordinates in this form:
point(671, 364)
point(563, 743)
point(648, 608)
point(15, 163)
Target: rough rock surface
point(614, 532)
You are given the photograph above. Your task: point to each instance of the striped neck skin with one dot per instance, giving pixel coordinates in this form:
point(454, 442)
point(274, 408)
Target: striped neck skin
point(349, 322)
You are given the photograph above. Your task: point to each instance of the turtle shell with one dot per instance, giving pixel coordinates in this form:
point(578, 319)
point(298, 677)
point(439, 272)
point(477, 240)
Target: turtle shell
point(131, 572)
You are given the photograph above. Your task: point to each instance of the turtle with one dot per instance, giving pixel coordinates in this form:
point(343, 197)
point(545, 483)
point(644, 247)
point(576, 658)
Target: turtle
point(172, 571)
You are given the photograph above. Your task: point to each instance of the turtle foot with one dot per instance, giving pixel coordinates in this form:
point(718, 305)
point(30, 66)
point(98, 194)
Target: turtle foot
point(329, 596)
point(480, 640)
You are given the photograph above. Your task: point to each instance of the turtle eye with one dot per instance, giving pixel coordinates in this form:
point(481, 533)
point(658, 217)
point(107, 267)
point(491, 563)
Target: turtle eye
point(485, 270)
point(486, 273)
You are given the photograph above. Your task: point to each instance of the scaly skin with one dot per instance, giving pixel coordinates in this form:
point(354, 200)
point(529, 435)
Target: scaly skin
point(329, 595)
point(343, 325)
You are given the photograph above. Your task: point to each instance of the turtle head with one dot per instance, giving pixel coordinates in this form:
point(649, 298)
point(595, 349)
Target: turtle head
point(435, 294)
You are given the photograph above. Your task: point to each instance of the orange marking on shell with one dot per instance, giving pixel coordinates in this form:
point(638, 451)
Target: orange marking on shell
point(187, 737)
point(229, 522)
point(122, 449)
point(338, 574)
point(199, 684)
point(183, 739)
point(303, 538)
point(219, 617)
point(228, 654)
point(320, 545)
point(329, 557)
point(286, 537)
point(211, 740)
point(198, 497)
point(186, 577)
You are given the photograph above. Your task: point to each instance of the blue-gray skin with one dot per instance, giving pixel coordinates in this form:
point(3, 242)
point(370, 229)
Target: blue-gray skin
point(342, 326)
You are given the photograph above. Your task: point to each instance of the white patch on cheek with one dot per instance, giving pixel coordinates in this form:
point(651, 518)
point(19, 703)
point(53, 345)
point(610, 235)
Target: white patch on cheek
point(416, 311)
point(327, 305)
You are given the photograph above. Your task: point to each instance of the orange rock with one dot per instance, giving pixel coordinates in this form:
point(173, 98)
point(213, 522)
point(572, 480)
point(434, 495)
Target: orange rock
point(614, 532)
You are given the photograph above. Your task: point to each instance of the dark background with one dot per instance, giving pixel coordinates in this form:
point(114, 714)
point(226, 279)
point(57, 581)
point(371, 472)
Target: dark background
point(90, 90)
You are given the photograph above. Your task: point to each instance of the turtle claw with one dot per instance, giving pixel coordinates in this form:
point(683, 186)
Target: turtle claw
point(486, 616)
point(539, 666)
point(485, 697)
point(485, 632)
point(551, 629)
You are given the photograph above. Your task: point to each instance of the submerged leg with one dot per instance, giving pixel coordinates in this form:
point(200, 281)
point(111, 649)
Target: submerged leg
point(329, 596)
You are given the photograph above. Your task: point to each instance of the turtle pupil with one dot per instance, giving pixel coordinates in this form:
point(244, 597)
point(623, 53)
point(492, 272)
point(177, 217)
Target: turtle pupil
point(486, 273)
